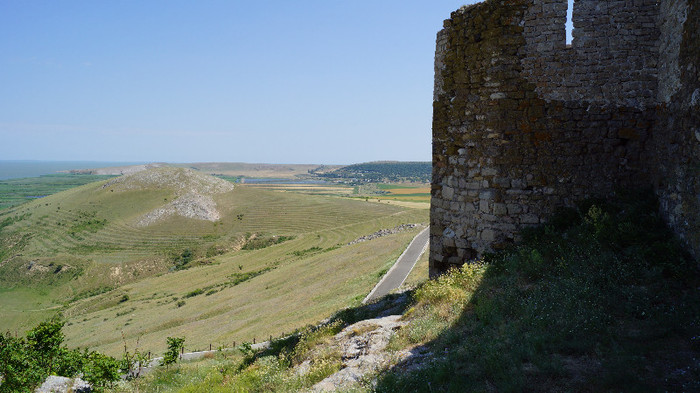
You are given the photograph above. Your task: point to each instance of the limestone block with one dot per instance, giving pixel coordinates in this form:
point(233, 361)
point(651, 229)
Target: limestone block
point(484, 206)
point(447, 192)
point(488, 235)
point(499, 209)
point(529, 219)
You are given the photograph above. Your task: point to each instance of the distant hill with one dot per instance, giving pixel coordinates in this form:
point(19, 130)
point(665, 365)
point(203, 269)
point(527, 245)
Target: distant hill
point(382, 171)
point(115, 170)
point(283, 171)
point(233, 169)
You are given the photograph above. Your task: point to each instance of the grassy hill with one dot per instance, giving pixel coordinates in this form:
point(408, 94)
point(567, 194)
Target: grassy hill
point(602, 298)
point(271, 262)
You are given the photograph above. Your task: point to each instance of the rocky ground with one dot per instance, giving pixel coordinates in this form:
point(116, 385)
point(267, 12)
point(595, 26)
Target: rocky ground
point(383, 232)
point(363, 348)
point(55, 384)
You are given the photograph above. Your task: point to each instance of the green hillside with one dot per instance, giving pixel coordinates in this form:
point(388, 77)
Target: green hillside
point(602, 298)
point(382, 171)
point(271, 262)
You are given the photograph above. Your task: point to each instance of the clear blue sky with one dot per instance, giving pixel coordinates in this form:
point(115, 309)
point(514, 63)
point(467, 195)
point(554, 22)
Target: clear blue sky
point(308, 81)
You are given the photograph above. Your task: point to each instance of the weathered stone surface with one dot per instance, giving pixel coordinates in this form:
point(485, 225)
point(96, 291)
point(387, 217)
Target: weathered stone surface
point(362, 349)
point(56, 384)
point(524, 124)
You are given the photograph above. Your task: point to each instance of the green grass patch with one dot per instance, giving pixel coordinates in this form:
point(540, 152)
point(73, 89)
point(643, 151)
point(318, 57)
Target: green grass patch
point(194, 293)
point(261, 242)
point(7, 221)
point(383, 186)
point(90, 293)
point(399, 196)
point(269, 370)
point(86, 222)
point(312, 250)
point(238, 278)
point(602, 298)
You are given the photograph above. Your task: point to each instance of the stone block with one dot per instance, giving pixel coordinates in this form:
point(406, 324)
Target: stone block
point(488, 235)
point(529, 219)
point(499, 209)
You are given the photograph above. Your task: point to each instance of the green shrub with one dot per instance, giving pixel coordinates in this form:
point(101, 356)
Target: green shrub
point(183, 259)
point(26, 361)
point(265, 241)
point(175, 346)
point(193, 293)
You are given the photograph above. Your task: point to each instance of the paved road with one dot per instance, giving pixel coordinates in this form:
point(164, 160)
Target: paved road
point(398, 273)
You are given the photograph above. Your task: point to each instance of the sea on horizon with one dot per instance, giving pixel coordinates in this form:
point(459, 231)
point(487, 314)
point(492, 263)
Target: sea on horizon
point(13, 169)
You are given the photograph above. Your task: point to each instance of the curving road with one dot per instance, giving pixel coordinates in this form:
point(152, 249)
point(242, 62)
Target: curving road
point(403, 266)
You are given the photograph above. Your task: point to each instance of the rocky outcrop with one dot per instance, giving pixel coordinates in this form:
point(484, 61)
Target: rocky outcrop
point(200, 207)
point(383, 232)
point(56, 384)
point(194, 192)
point(361, 346)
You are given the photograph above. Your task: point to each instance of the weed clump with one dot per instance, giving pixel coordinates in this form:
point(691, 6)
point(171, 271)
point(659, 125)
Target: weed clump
point(261, 242)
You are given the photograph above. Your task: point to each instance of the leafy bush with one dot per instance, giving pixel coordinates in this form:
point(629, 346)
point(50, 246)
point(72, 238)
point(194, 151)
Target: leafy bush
point(26, 361)
point(301, 253)
point(175, 346)
point(195, 292)
point(265, 241)
point(182, 260)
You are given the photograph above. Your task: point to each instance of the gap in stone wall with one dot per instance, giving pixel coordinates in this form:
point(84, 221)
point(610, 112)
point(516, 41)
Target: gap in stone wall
point(569, 21)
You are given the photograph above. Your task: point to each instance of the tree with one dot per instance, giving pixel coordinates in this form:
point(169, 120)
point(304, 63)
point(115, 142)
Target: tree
point(44, 343)
point(175, 346)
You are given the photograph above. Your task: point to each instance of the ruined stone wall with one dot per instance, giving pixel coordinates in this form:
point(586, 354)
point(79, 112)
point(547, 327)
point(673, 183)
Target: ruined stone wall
point(612, 58)
point(524, 123)
point(674, 150)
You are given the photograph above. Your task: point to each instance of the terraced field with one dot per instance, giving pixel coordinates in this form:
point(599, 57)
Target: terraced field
point(81, 252)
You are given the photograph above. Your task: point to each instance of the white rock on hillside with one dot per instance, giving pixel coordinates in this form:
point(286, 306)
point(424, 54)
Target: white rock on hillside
point(362, 347)
point(56, 384)
point(194, 192)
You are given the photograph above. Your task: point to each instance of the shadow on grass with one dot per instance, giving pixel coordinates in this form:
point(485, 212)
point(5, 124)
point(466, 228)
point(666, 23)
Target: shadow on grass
point(393, 304)
point(602, 298)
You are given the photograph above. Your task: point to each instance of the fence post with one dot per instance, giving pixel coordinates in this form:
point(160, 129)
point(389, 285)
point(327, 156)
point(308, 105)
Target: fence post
point(253, 340)
point(210, 346)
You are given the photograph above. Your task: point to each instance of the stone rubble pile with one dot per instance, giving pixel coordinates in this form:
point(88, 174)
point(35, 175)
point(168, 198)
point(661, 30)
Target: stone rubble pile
point(383, 232)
